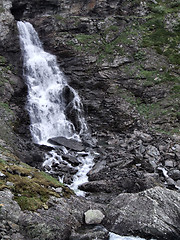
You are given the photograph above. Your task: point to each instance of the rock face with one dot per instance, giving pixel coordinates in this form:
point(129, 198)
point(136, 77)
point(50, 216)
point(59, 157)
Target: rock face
point(57, 222)
point(154, 212)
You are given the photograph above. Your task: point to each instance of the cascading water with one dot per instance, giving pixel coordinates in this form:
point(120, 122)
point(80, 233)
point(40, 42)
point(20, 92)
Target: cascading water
point(54, 107)
point(47, 89)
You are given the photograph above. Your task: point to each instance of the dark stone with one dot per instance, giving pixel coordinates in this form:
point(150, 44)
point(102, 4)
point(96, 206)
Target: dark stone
point(90, 232)
point(69, 143)
point(175, 174)
point(153, 213)
point(71, 159)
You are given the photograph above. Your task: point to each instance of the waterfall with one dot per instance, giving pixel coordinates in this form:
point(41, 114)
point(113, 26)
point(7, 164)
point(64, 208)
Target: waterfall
point(54, 107)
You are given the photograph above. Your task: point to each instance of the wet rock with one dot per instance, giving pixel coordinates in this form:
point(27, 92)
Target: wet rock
point(93, 217)
point(89, 233)
point(151, 213)
point(170, 182)
point(71, 159)
point(69, 143)
point(95, 186)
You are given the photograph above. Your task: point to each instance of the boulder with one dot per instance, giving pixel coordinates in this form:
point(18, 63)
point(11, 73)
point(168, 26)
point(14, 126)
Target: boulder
point(90, 232)
point(69, 143)
point(151, 213)
point(93, 217)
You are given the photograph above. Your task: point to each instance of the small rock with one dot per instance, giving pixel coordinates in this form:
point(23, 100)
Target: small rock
point(169, 163)
point(45, 206)
point(17, 236)
point(58, 190)
point(153, 152)
point(13, 226)
point(144, 136)
point(93, 217)
point(178, 183)
point(175, 174)
point(170, 181)
point(6, 237)
point(10, 184)
point(2, 176)
point(71, 159)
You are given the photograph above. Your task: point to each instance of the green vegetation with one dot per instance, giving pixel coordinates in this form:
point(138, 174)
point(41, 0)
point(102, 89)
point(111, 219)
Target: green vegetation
point(31, 187)
point(6, 107)
point(1, 9)
point(2, 60)
point(162, 111)
point(59, 18)
point(163, 39)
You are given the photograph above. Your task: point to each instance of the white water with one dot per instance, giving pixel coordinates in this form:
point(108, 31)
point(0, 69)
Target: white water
point(50, 99)
point(114, 236)
point(46, 85)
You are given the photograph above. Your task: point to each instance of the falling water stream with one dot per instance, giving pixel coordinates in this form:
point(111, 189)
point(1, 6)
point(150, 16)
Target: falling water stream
point(51, 102)
point(54, 107)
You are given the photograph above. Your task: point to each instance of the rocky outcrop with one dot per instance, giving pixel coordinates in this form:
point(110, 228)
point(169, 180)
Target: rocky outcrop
point(56, 221)
point(152, 213)
point(33, 205)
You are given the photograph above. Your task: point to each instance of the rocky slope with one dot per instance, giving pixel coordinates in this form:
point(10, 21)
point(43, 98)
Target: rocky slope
point(123, 59)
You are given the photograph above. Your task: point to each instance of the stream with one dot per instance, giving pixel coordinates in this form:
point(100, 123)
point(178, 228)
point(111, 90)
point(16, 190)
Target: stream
point(55, 108)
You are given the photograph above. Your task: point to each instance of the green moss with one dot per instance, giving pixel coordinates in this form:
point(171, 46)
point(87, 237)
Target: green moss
point(175, 4)
point(6, 107)
point(176, 89)
point(1, 9)
point(59, 18)
point(139, 55)
point(29, 203)
point(31, 187)
point(2, 60)
point(123, 38)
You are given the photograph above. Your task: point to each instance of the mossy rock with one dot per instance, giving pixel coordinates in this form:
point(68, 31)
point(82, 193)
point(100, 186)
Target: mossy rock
point(31, 187)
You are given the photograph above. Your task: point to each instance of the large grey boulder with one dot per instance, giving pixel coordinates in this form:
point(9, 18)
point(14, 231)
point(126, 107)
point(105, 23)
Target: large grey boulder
point(151, 213)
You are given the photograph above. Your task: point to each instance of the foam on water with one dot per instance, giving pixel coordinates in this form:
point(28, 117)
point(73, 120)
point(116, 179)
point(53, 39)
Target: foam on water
point(54, 107)
point(114, 236)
